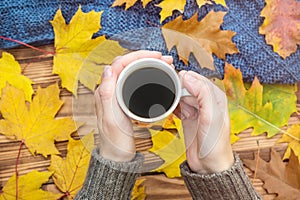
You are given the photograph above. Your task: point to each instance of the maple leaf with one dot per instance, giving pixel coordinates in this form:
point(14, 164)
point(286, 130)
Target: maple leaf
point(292, 137)
point(279, 177)
point(170, 148)
point(35, 125)
point(138, 191)
point(129, 3)
point(10, 72)
point(28, 187)
point(78, 57)
point(202, 38)
point(281, 25)
point(264, 108)
point(69, 173)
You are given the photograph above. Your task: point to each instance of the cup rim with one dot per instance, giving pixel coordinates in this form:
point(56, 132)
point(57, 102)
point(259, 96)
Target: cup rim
point(139, 64)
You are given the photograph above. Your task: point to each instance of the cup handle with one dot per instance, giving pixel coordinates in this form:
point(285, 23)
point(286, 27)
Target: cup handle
point(185, 93)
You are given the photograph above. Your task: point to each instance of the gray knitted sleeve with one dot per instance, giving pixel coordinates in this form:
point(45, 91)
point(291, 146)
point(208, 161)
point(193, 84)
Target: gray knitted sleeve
point(227, 185)
point(110, 180)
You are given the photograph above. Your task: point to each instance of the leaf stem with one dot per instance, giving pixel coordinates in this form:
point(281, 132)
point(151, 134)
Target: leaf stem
point(16, 170)
point(27, 45)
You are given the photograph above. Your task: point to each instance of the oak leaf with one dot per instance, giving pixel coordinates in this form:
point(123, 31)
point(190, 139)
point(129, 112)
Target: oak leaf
point(35, 124)
point(264, 108)
point(200, 38)
point(129, 3)
point(10, 72)
point(78, 57)
point(29, 187)
point(281, 25)
point(278, 177)
point(70, 172)
point(170, 147)
point(292, 137)
point(138, 191)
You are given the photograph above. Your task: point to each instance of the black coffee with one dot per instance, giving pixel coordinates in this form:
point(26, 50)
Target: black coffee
point(148, 92)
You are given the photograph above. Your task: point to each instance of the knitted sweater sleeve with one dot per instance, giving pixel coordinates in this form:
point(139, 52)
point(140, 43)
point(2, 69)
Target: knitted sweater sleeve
point(227, 185)
point(109, 180)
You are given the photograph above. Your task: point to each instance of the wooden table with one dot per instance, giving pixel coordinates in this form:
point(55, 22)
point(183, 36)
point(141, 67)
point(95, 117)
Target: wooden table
point(39, 70)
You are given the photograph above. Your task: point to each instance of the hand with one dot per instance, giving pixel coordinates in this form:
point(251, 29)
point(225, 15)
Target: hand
point(115, 128)
point(206, 125)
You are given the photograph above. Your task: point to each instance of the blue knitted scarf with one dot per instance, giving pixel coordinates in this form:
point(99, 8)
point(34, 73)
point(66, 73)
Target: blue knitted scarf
point(138, 28)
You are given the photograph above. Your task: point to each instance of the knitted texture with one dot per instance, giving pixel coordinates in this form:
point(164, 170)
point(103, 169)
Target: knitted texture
point(110, 180)
point(139, 28)
point(230, 184)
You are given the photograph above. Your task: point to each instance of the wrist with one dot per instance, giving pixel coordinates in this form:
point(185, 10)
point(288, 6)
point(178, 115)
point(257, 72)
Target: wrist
point(117, 155)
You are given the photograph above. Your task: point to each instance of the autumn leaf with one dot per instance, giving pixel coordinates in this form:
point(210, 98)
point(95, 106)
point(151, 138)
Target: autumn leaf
point(138, 191)
point(29, 187)
point(292, 137)
point(202, 38)
point(278, 177)
point(170, 147)
point(70, 172)
point(79, 57)
point(264, 108)
point(35, 124)
point(281, 25)
point(129, 3)
point(168, 6)
point(10, 72)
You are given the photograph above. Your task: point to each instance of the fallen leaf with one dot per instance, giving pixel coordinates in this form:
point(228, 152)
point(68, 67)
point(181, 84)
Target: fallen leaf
point(70, 172)
point(10, 72)
point(29, 187)
point(129, 3)
point(292, 137)
point(170, 147)
point(168, 6)
point(264, 108)
point(200, 38)
point(78, 57)
point(279, 177)
point(203, 2)
point(281, 25)
point(35, 124)
point(138, 191)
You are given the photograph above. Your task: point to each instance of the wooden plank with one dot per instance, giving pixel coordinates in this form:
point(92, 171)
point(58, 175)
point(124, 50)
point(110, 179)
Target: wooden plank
point(39, 69)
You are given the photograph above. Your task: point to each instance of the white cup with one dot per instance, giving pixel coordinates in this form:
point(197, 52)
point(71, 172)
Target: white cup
point(149, 90)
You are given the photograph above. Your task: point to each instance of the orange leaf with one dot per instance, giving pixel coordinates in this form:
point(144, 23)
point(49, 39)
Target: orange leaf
point(200, 38)
point(279, 177)
point(281, 25)
point(36, 124)
point(70, 172)
point(29, 187)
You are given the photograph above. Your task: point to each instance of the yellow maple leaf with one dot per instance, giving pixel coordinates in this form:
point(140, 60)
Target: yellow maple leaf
point(78, 57)
point(35, 125)
point(292, 137)
point(29, 187)
point(129, 3)
point(170, 148)
point(200, 38)
point(138, 191)
point(168, 6)
point(265, 108)
point(281, 25)
point(70, 172)
point(10, 72)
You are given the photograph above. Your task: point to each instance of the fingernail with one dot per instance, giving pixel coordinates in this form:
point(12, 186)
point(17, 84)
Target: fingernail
point(190, 77)
point(107, 71)
point(167, 57)
point(185, 114)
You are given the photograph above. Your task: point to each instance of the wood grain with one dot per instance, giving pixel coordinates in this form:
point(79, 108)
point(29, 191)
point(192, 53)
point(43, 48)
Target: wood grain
point(39, 69)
